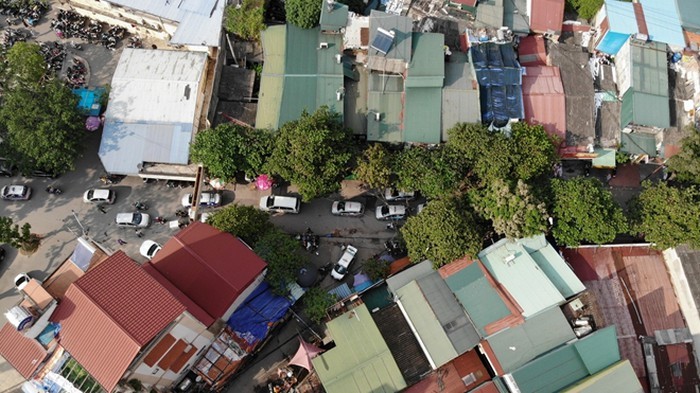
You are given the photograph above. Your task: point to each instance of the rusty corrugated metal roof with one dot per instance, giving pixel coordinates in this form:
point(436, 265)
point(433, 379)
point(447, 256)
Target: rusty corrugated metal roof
point(544, 99)
point(24, 354)
point(546, 15)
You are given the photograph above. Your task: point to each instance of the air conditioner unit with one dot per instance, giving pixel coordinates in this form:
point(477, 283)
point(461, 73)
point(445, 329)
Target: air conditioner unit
point(323, 45)
point(377, 116)
point(338, 58)
point(509, 259)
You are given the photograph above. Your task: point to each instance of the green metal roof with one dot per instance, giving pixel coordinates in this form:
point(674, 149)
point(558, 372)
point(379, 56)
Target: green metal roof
point(605, 158)
point(477, 296)
point(424, 320)
point(618, 378)
point(516, 346)
point(297, 75)
point(689, 13)
point(460, 96)
point(422, 115)
point(638, 143)
point(647, 101)
point(427, 66)
point(535, 288)
point(568, 364)
point(385, 96)
point(361, 361)
point(333, 17)
point(553, 265)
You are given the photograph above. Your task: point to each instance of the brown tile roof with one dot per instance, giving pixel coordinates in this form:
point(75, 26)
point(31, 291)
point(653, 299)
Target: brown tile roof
point(57, 284)
point(209, 268)
point(37, 294)
point(172, 355)
point(183, 359)
point(24, 354)
point(641, 20)
point(159, 350)
point(110, 313)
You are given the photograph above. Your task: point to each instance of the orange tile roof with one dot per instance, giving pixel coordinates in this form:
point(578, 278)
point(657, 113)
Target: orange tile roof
point(110, 313)
point(24, 354)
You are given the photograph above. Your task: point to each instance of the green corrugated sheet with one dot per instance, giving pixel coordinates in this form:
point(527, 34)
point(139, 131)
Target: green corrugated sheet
point(618, 378)
point(427, 66)
point(569, 364)
point(553, 265)
point(651, 110)
point(646, 103)
point(689, 12)
point(638, 143)
point(385, 96)
point(426, 324)
point(516, 346)
point(335, 17)
point(361, 361)
point(477, 296)
point(297, 76)
point(422, 115)
point(627, 108)
point(605, 158)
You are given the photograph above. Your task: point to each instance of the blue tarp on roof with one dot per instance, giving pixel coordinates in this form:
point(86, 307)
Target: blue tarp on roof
point(612, 42)
point(89, 103)
point(261, 310)
point(500, 82)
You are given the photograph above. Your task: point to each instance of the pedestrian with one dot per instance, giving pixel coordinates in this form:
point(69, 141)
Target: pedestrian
point(102, 209)
point(121, 242)
point(106, 235)
point(24, 22)
point(139, 233)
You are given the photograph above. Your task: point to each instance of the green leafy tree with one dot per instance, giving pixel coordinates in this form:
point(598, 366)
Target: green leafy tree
point(446, 230)
point(376, 268)
point(513, 209)
point(529, 152)
point(246, 20)
point(374, 168)
point(316, 302)
point(667, 216)
point(43, 127)
point(586, 9)
point(246, 222)
point(229, 148)
point(433, 172)
point(303, 13)
point(283, 257)
point(313, 153)
point(25, 65)
point(16, 236)
point(584, 212)
point(686, 164)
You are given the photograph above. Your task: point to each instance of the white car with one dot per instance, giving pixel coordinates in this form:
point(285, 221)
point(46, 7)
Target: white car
point(99, 195)
point(16, 192)
point(348, 208)
point(133, 220)
point(420, 207)
point(21, 281)
point(394, 195)
point(341, 268)
point(149, 249)
point(207, 199)
point(391, 212)
point(280, 204)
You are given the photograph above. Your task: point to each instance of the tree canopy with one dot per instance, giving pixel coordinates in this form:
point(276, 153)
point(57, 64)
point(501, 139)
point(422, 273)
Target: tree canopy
point(513, 210)
point(316, 302)
point(16, 236)
point(374, 167)
point(446, 230)
point(686, 164)
point(303, 13)
point(375, 268)
point(586, 9)
point(25, 65)
point(667, 216)
point(584, 212)
point(246, 222)
point(43, 127)
point(283, 257)
point(246, 20)
point(313, 153)
point(529, 152)
point(229, 148)
point(434, 172)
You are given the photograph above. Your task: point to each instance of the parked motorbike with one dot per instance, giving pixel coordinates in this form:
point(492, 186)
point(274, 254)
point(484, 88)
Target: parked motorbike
point(181, 213)
point(309, 240)
point(161, 220)
point(54, 190)
point(140, 206)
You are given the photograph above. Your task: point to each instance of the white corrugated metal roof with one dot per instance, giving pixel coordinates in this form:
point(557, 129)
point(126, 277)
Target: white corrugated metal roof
point(199, 20)
point(151, 110)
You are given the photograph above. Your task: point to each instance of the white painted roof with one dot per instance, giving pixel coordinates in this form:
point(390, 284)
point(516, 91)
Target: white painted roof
point(151, 109)
point(199, 21)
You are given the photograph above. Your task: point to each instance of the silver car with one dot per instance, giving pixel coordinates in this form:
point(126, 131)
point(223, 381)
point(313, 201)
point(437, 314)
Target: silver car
point(391, 212)
point(16, 192)
point(348, 208)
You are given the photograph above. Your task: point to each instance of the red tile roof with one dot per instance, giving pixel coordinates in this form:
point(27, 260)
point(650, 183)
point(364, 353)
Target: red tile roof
point(110, 313)
point(544, 99)
point(546, 15)
point(209, 268)
point(641, 20)
point(531, 51)
point(24, 354)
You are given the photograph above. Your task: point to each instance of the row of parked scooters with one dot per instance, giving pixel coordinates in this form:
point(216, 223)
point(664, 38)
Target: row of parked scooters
point(70, 24)
point(26, 12)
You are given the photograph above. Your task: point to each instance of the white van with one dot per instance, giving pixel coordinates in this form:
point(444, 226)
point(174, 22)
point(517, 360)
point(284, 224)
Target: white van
point(280, 204)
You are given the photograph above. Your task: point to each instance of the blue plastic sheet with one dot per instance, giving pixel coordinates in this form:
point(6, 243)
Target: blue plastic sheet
point(258, 313)
point(500, 82)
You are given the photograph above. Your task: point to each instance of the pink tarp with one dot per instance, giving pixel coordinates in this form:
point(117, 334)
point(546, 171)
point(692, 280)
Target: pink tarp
point(263, 182)
point(304, 354)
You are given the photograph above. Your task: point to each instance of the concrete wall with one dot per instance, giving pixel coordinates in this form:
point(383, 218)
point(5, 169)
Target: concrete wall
point(136, 22)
